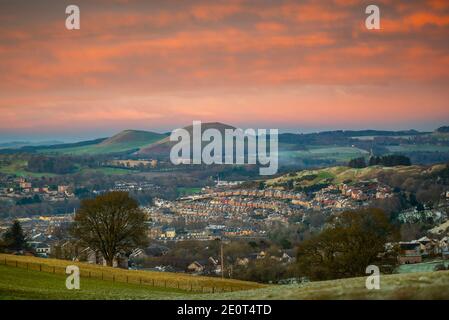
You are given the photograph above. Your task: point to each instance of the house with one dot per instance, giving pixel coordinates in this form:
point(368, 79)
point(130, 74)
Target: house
point(195, 267)
point(444, 247)
point(170, 233)
point(242, 261)
point(428, 246)
point(95, 257)
point(288, 256)
point(62, 188)
point(409, 252)
point(43, 250)
point(137, 254)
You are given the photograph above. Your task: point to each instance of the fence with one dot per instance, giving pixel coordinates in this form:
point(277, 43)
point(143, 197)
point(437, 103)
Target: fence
point(125, 277)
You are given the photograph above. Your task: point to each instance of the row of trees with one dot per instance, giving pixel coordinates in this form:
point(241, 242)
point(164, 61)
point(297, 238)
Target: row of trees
point(58, 165)
point(386, 161)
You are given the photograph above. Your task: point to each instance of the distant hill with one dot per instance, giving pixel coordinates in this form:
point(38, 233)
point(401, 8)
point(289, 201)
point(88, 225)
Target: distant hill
point(162, 148)
point(125, 141)
point(444, 129)
point(20, 144)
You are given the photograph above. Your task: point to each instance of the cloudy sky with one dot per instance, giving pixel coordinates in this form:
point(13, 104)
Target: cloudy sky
point(157, 65)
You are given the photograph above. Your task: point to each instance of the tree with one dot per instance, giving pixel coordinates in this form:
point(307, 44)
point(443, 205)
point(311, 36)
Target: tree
point(14, 239)
point(353, 241)
point(390, 160)
point(111, 223)
point(357, 163)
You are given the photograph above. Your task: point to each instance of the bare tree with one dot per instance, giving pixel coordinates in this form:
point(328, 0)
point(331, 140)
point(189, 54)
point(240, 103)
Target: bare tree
point(111, 223)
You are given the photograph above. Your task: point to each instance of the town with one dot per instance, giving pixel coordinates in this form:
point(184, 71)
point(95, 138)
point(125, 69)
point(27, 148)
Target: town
point(229, 211)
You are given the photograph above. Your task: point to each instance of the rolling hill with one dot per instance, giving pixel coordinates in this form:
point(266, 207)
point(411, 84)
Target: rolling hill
point(125, 141)
point(299, 150)
point(162, 148)
point(339, 174)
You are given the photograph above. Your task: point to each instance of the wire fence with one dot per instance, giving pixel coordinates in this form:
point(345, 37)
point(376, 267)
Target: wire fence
point(125, 277)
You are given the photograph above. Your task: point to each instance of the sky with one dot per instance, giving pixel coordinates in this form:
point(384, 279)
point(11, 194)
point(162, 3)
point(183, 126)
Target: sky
point(158, 65)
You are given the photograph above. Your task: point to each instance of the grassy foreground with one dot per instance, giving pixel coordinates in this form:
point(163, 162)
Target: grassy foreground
point(426, 285)
point(20, 283)
point(185, 282)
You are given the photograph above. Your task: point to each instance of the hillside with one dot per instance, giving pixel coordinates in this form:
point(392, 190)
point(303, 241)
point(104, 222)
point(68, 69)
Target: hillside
point(427, 285)
point(125, 141)
point(185, 282)
point(20, 283)
point(340, 174)
point(163, 147)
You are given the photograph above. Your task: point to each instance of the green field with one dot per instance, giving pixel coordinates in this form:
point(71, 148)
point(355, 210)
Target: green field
point(17, 283)
point(18, 168)
point(185, 191)
point(418, 148)
point(149, 279)
point(421, 267)
point(339, 154)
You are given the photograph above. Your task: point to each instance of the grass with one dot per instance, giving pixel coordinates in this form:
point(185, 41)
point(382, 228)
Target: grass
point(185, 191)
point(340, 174)
point(337, 153)
point(430, 285)
point(108, 170)
point(19, 283)
point(421, 267)
point(182, 281)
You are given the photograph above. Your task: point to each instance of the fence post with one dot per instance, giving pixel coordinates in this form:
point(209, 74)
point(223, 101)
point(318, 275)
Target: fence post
point(153, 282)
point(16, 263)
point(213, 289)
point(102, 277)
point(140, 280)
point(27, 266)
point(40, 267)
point(89, 274)
point(54, 271)
point(191, 287)
point(165, 283)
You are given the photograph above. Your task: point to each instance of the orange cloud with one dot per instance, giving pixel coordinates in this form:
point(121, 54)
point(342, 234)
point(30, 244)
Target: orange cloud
point(224, 60)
